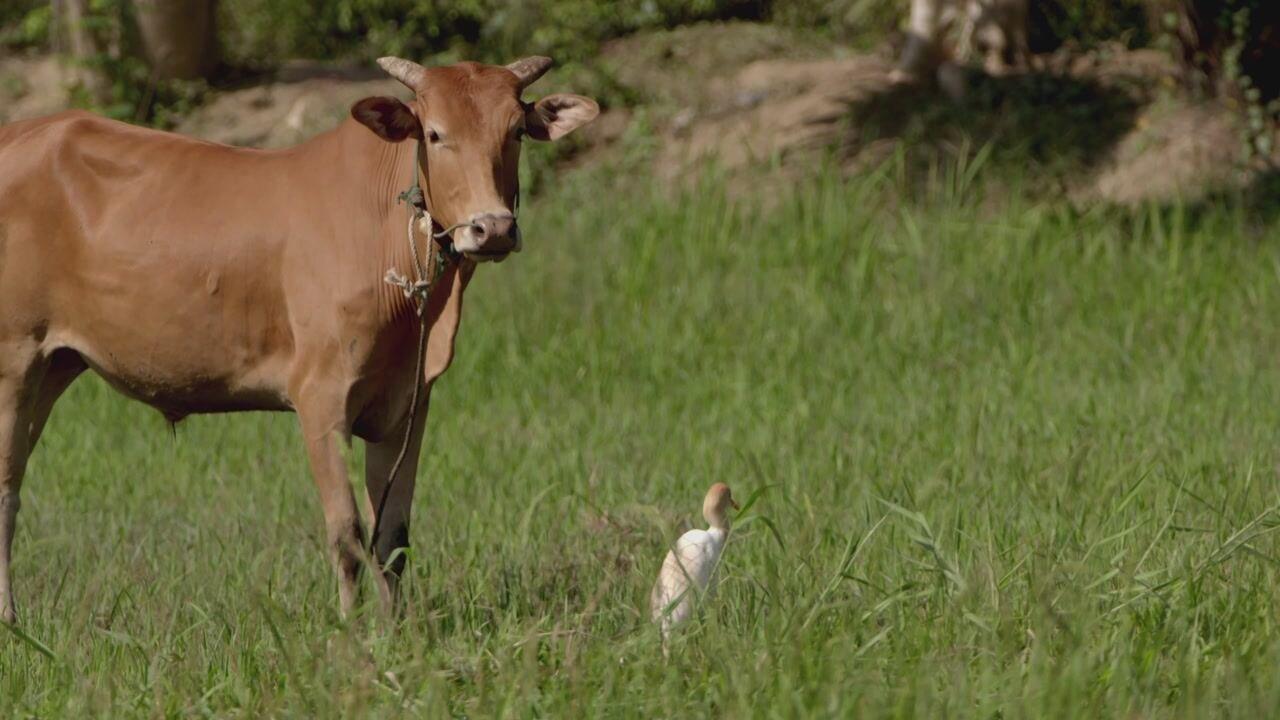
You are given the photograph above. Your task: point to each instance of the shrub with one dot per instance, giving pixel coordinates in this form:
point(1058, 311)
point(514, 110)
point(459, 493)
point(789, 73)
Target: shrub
point(25, 23)
point(1087, 23)
point(266, 31)
point(861, 22)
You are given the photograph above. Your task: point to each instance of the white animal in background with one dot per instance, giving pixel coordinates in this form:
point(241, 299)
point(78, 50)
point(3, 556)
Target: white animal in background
point(688, 572)
point(994, 29)
point(997, 31)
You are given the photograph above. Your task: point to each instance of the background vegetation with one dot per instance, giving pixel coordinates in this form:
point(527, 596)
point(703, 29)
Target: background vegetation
point(1229, 45)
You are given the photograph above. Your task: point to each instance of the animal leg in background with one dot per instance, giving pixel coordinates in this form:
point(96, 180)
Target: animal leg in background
point(923, 51)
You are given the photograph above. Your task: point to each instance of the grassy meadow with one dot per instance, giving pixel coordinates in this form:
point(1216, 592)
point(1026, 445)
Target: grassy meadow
point(1007, 459)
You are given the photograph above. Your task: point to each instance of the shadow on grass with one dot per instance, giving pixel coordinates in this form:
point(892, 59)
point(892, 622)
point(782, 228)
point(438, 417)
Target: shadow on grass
point(1261, 199)
point(1258, 201)
point(1034, 122)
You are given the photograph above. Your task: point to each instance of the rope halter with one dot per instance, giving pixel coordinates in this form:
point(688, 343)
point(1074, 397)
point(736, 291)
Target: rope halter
point(419, 290)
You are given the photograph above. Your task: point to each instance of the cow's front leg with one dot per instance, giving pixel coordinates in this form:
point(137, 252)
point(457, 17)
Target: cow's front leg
point(393, 529)
point(14, 448)
point(324, 429)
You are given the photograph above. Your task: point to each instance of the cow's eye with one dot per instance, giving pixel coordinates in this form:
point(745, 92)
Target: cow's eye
point(433, 136)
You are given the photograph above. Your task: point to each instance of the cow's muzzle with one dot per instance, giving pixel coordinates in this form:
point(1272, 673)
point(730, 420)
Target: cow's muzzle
point(489, 236)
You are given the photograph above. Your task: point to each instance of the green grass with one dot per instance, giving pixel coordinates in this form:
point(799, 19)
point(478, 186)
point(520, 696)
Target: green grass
point(1022, 462)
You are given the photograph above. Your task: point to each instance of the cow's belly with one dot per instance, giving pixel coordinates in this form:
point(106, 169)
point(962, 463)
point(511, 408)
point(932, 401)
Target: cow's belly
point(184, 321)
point(181, 353)
point(180, 384)
point(179, 397)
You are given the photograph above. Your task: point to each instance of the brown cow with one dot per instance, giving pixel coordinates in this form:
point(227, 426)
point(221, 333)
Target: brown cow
point(201, 278)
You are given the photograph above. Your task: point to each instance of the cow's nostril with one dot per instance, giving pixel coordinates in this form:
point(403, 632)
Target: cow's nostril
point(492, 228)
point(503, 226)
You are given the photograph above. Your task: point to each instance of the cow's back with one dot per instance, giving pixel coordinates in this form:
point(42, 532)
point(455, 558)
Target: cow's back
point(156, 257)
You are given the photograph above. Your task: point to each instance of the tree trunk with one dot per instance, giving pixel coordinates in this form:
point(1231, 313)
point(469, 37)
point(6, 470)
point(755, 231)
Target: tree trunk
point(85, 47)
point(178, 37)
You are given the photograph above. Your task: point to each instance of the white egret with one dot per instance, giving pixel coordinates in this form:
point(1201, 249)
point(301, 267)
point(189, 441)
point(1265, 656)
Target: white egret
point(688, 572)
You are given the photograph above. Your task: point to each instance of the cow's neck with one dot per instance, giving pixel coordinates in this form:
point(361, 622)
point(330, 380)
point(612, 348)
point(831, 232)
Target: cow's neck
point(374, 173)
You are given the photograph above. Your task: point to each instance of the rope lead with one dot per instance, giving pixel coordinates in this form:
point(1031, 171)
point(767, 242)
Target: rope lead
point(419, 291)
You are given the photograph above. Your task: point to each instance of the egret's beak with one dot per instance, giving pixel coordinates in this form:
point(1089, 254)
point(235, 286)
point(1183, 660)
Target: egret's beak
point(734, 503)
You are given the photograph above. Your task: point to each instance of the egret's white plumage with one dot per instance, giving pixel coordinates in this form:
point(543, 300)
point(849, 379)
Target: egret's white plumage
point(688, 572)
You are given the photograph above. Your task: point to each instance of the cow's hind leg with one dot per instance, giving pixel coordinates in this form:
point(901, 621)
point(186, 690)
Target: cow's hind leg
point(13, 462)
point(15, 436)
point(25, 404)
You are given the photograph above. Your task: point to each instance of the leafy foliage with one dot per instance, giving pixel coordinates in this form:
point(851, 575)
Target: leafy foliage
point(861, 22)
point(487, 29)
point(1232, 47)
point(131, 90)
point(25, 23)
point(1089, 22)
point(1230, 43)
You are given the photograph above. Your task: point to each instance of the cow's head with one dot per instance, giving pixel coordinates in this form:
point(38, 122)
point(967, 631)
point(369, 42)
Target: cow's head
point(470, 121)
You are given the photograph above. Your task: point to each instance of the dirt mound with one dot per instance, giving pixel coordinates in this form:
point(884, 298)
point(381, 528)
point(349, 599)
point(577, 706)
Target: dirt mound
point(749, 95)
point(1112, 117)
point(693, 66)
point(31, 87)
point(769, 111)
point(1174, 152)
point(300, 101)
point(293, 104)
point(739, 92)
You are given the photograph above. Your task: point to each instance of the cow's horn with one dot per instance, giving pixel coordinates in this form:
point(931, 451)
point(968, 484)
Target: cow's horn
point(530, 69)
point(408, 72)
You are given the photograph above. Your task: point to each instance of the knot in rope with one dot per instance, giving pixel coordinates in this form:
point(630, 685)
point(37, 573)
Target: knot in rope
point(411, 288)
point(415, 199)
point(419, 289)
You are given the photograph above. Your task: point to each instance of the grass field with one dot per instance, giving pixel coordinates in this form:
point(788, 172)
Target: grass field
point(1021, 461)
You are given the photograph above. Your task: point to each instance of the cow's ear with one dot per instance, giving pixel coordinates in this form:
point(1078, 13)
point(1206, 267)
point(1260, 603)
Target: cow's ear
point(555, 116)
point(388, 118)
